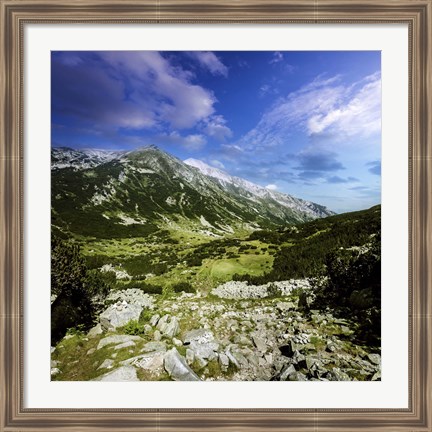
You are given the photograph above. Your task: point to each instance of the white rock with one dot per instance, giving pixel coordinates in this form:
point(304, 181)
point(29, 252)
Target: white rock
point(177, 367)
point(117, 339)
point(124, 373)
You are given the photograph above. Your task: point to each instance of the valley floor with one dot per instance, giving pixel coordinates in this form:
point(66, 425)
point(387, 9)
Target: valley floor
point(235, 332)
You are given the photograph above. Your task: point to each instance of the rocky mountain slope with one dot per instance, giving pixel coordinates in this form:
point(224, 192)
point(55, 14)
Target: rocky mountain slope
point(264, 335)
point(314, 314)
point(121, 194)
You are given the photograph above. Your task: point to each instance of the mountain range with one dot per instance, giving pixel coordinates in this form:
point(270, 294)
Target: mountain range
point(111, 194)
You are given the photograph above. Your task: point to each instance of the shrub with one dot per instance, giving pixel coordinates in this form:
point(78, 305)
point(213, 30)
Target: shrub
point(183, 286)
point(72, 284)
point(133, 328)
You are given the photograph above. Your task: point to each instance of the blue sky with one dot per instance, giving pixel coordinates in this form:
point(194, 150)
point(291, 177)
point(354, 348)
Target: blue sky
point(303, 123)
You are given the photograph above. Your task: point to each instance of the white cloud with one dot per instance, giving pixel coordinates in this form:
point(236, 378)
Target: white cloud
point(215, 126)
point(323, 106)
point(277, 57)
point(163, 93)
point(210, 61)
point(271, 187)
point(189, 142)
point(360, 115)
point(217, 164)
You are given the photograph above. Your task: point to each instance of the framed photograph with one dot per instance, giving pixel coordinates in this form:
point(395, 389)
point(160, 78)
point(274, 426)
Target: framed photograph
point(215, 215)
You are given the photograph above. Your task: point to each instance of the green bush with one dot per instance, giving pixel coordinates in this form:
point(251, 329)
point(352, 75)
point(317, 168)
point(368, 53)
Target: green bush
point(183, 286)
point(133, 328)
point(74, 288)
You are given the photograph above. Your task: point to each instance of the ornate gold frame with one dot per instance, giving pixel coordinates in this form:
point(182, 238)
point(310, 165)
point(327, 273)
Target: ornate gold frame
point(15, 14)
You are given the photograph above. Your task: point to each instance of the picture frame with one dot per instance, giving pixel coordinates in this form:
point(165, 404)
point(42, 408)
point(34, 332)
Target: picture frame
point(15, 15)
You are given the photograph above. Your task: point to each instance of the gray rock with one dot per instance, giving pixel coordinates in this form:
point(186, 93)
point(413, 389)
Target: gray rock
point(297, 376)
point(177, 367)
point(375, 358)
point(198, 335)
point(260, 343)
point(287, 371)
point(157, 335)
point(95, 331)
point(169, 326)
point(119, 315)
point(252, 359)
point(240, 358)
point(55, 371)
point(124, 373)
point(152, 361)
point(154, 320)
point(269, 358)
point(147, 328)
point(204, 350)
point(132, 296)
point(223, 361)
point(172, 328)
point(52, 349)
point(243, 340)
point(177, 342)
point(190, 356)
point(376, 376)
point(107, 364)
point(117, 339)
point(338, 375)
point(126, 344)
point(155, 346)
point(285, 306)
point(91, 351)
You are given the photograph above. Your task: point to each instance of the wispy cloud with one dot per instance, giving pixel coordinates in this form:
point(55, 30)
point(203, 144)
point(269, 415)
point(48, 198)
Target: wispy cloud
point(319, 161)
point(375, 167)
point(189, 142)
point(215, 127)
point(217, 164)
point(325, 106)
point(277, 57)
point(209, 61)
point(338, 180)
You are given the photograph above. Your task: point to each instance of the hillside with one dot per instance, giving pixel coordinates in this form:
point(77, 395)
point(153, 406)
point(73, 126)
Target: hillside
point(305, 306)
point(138, 193)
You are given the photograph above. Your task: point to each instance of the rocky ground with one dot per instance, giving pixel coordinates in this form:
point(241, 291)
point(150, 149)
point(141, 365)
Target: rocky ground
point(237, 332)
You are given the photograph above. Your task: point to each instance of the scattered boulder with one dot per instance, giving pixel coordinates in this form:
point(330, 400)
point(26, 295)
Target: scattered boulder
point(126, 344)
point(117, 339)
point(154, 346)
point(169, 326)
point(154, 320)
point(119, 314)
point(223, 361)
point(152, 361)
point(375, 359)
point(123, 373)
point(95, 331)
point(202, 343)
point(107, 364)
point(177, 367)
point(190, 356)
point(198, 335)
point(55, 371)
point(287, 371)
